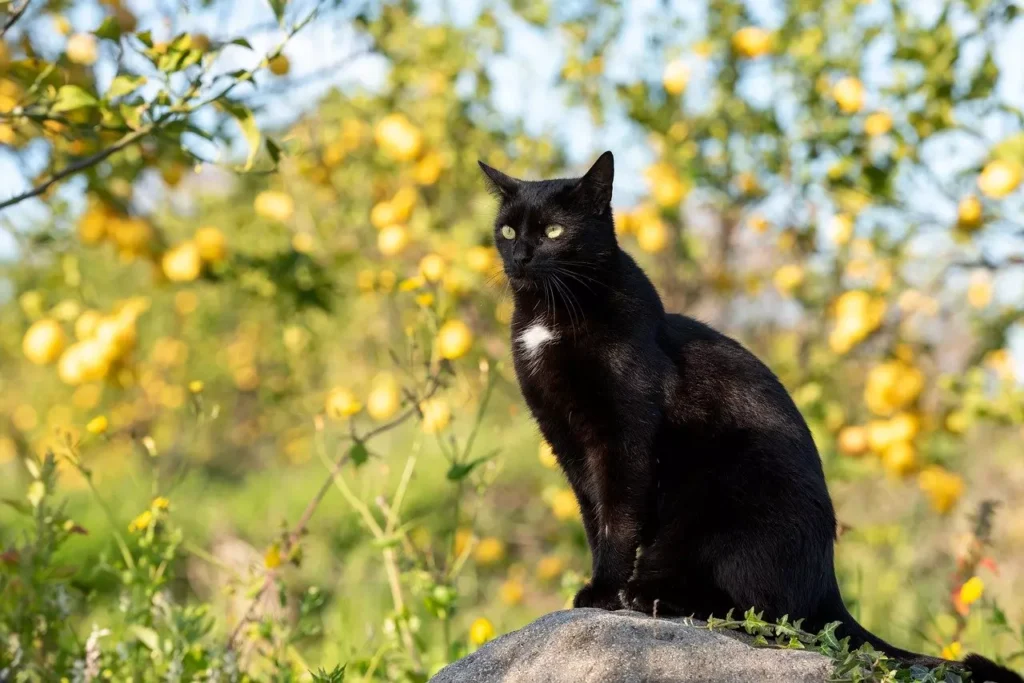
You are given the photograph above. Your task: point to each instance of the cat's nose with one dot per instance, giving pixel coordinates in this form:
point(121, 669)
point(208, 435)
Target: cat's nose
point(521, 257)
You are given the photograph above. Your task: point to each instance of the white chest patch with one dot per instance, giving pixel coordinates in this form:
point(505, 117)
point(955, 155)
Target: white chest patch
point(534, 337)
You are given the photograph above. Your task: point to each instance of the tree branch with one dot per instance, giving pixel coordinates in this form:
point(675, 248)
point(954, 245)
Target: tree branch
point(79, 166)
point(15, 15)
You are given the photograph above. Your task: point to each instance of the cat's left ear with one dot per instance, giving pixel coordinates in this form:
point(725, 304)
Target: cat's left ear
point(596, 184)
point(504, 186)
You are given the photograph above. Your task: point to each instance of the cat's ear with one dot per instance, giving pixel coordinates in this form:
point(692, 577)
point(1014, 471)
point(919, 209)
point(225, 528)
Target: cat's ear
point(503, 186)
point(596, 184)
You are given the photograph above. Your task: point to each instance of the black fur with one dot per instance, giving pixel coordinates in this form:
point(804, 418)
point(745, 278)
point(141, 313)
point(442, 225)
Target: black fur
point(700, 486)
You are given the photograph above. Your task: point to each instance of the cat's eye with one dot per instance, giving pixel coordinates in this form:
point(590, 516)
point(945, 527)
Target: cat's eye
point(554, 231)
point(508, 232)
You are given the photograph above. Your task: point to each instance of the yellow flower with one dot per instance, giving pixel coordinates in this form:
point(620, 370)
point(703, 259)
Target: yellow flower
point(195, 386)
point(546, 455)
point(383, 400)
point(272, 557)
point(550, 567)
point(432, 267)
point(480, 631)
point(489, 551)
point(392, 240)
point(142, 522)
point(436, 415)
point(953, 651)
point(161, 503)
point(972, 590)
point(564, 505)
point(341, 403)
point(511, 592)
point(454, 339)
point(97, 425)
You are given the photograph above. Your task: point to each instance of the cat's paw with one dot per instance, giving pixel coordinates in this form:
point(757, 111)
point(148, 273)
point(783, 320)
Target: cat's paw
point(640, 596)
point(598, 595)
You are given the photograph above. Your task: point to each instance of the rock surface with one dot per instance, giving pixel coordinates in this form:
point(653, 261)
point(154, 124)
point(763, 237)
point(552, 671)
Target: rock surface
point(583, 645)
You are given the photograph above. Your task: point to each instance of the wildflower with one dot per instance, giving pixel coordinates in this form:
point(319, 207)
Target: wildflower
point(97, 425)
point(272, 558)
point(489, 551)
point(480, 631)
point(141, 523)
point(161, 503)
point(972, 590)
point(195, 386)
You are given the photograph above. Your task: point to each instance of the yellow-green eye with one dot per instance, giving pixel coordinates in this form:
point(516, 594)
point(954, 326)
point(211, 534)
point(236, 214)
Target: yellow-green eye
point(554, 231)
point(508, 232)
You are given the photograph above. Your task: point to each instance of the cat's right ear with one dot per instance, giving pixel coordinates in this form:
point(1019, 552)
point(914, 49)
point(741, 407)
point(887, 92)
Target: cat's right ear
point(501, 185)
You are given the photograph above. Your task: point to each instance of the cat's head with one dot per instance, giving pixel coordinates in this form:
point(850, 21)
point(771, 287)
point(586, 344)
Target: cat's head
point(554, 228)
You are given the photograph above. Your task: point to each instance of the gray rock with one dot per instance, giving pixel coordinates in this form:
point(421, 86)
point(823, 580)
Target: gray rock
point(581, 645)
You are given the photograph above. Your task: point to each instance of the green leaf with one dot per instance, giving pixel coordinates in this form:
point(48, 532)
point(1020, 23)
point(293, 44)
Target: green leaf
point(146, 636)
point(358, 453)
point(1010, 149)
point(71, 97)
point(110, 29)
point(21, 507)
point(124, 84)
point(461, 470)
point(277, 6)
point(242, 42)
point(274, 150)
point(132, 115)
point(335, 675)
point(146, 37)
point(247, 122)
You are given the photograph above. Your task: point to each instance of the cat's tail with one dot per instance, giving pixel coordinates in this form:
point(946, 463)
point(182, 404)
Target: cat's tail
point(980, 668)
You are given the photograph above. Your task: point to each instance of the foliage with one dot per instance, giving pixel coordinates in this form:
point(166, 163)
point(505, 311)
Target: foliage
point(265, 357)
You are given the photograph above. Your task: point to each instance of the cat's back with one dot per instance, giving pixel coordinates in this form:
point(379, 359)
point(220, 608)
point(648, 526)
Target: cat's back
point(718, 378)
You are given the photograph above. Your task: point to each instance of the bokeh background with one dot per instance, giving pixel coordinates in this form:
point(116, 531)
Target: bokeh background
point(250, 308)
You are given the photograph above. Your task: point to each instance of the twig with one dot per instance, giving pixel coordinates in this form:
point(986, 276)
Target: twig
point(15, 15)
point(300, 527)
point(79, 166)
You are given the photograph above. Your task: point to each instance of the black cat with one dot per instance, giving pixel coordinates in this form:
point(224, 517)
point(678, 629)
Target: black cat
point(677, 441)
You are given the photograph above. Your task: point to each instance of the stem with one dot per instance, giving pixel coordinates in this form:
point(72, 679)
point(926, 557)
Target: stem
point(125, 552)
point(79, 166)
point(15, 15)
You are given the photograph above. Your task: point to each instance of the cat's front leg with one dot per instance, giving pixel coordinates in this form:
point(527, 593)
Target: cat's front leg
point(623, 486)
